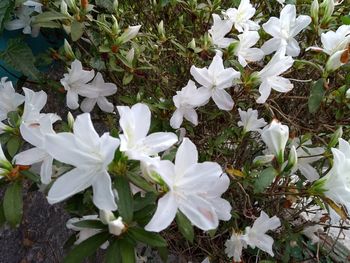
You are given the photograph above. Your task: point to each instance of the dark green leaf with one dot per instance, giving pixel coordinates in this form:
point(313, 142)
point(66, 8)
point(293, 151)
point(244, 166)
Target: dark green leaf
point(125, 199)
point(140, 182)
point(144, 215)
point(346, 20)
point(31, 176)
point(19, 56)
point(6, 7)
point(86, 248)
point(13, 145)
point(149, 238)
point(13, 204)
point(185, 226)
point(2, 215)
point(13, 118)
point(95, 224)
point(77, 30)
point(264, 179)
point(127, 251)
point(163, 253)
point(316, 95)
point(142, 202)
point(113, 254)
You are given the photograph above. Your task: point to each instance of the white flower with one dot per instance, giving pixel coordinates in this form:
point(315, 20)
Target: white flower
point(281, 1)
point(34, 3)
point(75, 83)
point(215, 80)
point(186, 101)
point(90, 155)
point(129, 34)
point(234, 247)
point(244, 50)
point(34, 133)
point(256, 237)
point(34, 102)
point(304, 162)
point(275, 136)
point(249, 120)
point(9, 99)
point(218, 31)
point(269, 76)
point(284, 30)
point(194, 189)
point(84, 232)
point(134, 142)
point(23, 20)
point(241, 16)
point(336, 183)
point(116, 226)
point(102, 90)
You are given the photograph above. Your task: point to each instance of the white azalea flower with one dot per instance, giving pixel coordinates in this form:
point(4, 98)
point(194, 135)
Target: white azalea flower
point(249, 120)
point(241, 16)
point(84, 232)
point(34, 102)
point(134, 142)
point(275, 136)
point(34, 133)
point(90, 155)
point(186, 101)
point(269, 76)
point(194, 189)
point(36, 4)
point(9, 99)
point(234, 247)
point(23, 20)
point(304, 162)
point(215, 80)
point(284, 30)
point(218, 31)
point(75, 83)
point(256, 237)
point(102, 91)
point(244, 50)
point(336, 184)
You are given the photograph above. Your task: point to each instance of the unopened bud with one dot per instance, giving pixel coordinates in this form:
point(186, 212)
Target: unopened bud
point(116, 227)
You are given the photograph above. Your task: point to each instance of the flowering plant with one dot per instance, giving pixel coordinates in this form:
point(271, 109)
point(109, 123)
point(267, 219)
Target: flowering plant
point(220, 123)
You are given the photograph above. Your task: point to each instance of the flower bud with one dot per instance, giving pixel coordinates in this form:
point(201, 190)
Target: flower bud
point(328, 9)
point(314, 11)
point(115, 26)
point(129, 34)
point(335, 137)
point(68, 50)
point(106, 216)
point(161, 31)
point(115, 6)
point(275, 136)
point(130, 56)
point(263, 159)
point(70, 120)
point(292, 161)
point(116, 227)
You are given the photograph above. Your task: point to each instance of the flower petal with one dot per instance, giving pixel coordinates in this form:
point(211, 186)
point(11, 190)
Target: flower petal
point(186, 156)
point(103, 195)
point(222, 99)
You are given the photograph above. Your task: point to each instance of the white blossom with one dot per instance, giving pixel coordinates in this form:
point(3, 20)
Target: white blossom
point(249, 120)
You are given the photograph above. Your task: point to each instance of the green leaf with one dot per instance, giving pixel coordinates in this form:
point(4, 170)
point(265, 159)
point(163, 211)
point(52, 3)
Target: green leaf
point(316, 95)
point(163, 253)
point(86, 248)
point(149, 238)
point(106, 4)
point(2, 215)
point(13, 145)
point(31, 176)
point(346, 19)
point(14, 119)
point(127, 78)
point(95, 224)
point(127, 251)
point(13, 204)
point(125, 199)
point(113, 254)
point(49, 16)
point(185, 226)
point(77, 30)
point(142, 202)
point(140, 182)
point(6, 7)
point(264, 179)
point(19, 56)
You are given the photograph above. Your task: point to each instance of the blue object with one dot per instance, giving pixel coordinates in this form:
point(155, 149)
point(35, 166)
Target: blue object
point(38, 45)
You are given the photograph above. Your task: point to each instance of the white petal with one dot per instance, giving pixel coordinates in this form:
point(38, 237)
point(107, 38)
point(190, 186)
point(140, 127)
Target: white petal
point(177, 119)
point(69, 184)
point(201, 76)
point(164, 215)
point(272, 27)
point(191, 116)
point(105, 105)
point(264, 90)
point(88, 104)
point(84, 129)
point(271, 45)
point(160, 141)
point(103, 195)
point(308, 171)
point(46, 170)
point(200, 212)
point(186, 156)
point(29, 157)
point(72, 99)
point(222, 99)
